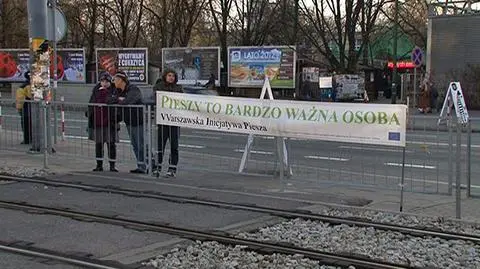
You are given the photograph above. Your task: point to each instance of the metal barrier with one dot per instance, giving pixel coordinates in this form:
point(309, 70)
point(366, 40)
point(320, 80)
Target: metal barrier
point(430, 162)
point(74, 129)
point(78, 134)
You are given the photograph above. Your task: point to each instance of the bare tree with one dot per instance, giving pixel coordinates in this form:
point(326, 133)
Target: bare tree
point(125, 21)
point(254, 21)
point(175, 20)
point(413, 16)
point(334, 27)
point(204, 32)
point(84, 20)
point(220, 10)
point(369, 25)
point(13, 24)
point(189, 15)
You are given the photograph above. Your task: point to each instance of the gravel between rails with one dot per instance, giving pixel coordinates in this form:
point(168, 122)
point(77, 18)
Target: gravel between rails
point(426, 222)
point(387, 246)
point(19, 171)
point(212, 255)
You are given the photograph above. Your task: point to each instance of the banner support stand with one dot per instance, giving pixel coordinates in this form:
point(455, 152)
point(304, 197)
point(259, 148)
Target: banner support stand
point(458, 180)
point(454, 98)
point(282, 153)
point(402, 184)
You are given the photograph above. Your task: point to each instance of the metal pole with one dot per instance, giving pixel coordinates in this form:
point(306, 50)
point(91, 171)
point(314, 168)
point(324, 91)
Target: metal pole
point(450, 159)
point(54, 36)
point(414, 88)
point(145, 146)
point(149, 139)
point(458, 179)
point(38, 33)
point(402, 184)
point(469, 159)
point(45, 133)
point(395, 45)
point(281, 161)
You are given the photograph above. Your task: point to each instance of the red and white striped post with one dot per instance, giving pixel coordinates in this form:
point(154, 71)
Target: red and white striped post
point(62, 116)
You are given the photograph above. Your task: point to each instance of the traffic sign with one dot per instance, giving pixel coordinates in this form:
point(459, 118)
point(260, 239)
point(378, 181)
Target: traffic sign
point(57, 32)
point(417, 56)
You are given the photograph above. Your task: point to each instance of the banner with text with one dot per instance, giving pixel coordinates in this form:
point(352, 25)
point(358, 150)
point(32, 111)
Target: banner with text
point(193, 65)
point(376, 124)
point(248, 66)
point(132, 61)
point(70, 65)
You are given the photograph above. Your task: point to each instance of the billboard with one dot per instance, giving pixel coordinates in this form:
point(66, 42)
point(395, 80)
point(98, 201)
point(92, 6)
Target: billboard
point(70, 65)
point(13, 64)
point(132, 61)
point(248, 66)
point(193, 65)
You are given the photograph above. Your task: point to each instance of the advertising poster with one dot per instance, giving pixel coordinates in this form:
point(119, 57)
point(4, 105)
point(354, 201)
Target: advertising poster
point(132, 61)
point(349, 86)
point(13, 64)
point(248, 66)
point(70, 65)
point(374, 124)
point(311, 74)
point(193, 65)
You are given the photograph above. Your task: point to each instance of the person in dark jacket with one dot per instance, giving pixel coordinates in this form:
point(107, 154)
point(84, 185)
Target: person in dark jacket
point(211, 82)
point(24, 108)
point(129, 94)
point(102, 121)
point(166, 132)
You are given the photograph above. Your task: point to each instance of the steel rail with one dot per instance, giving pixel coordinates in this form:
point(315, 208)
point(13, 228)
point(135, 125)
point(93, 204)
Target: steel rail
point(58, 256)
point(259, 246)
point(289, 214)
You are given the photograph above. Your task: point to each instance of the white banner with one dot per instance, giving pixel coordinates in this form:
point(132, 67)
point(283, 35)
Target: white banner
point(378, 124)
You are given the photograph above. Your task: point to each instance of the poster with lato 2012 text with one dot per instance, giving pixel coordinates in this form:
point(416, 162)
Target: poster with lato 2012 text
point(249, 66)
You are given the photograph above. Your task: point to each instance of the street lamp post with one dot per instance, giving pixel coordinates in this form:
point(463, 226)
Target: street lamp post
point(395, 44)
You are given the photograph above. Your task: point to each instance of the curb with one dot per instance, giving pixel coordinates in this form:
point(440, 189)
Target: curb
point(443, 129)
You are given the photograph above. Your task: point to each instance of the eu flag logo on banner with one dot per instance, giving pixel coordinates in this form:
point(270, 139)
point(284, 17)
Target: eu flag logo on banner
point(394, 136)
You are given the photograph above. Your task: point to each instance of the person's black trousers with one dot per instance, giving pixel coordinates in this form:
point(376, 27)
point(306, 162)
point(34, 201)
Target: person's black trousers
point(112, 151)
point(166, 132)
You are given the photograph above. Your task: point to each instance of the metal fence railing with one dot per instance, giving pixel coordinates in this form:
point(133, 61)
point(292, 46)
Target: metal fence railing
point(430, 159)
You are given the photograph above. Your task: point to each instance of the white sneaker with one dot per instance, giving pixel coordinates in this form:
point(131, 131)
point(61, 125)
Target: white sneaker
point(171, 173)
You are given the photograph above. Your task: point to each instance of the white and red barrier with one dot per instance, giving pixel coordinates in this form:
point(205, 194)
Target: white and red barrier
point(62, 116)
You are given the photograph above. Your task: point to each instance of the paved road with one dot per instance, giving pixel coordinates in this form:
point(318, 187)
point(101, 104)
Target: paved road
point(427, 154)
point(9, 260)
point(110, 242)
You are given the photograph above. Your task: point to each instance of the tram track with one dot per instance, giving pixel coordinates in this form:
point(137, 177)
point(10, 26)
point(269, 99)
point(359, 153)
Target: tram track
point(84, 262)
point(221, 237)
point(287, 214)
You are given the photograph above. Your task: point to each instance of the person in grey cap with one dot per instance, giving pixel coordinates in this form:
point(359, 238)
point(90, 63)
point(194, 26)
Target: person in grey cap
point(129, 94)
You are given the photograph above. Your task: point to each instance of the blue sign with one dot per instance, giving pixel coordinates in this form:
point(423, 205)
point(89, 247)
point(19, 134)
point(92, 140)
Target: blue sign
point(394, 136)
point(417, 56)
